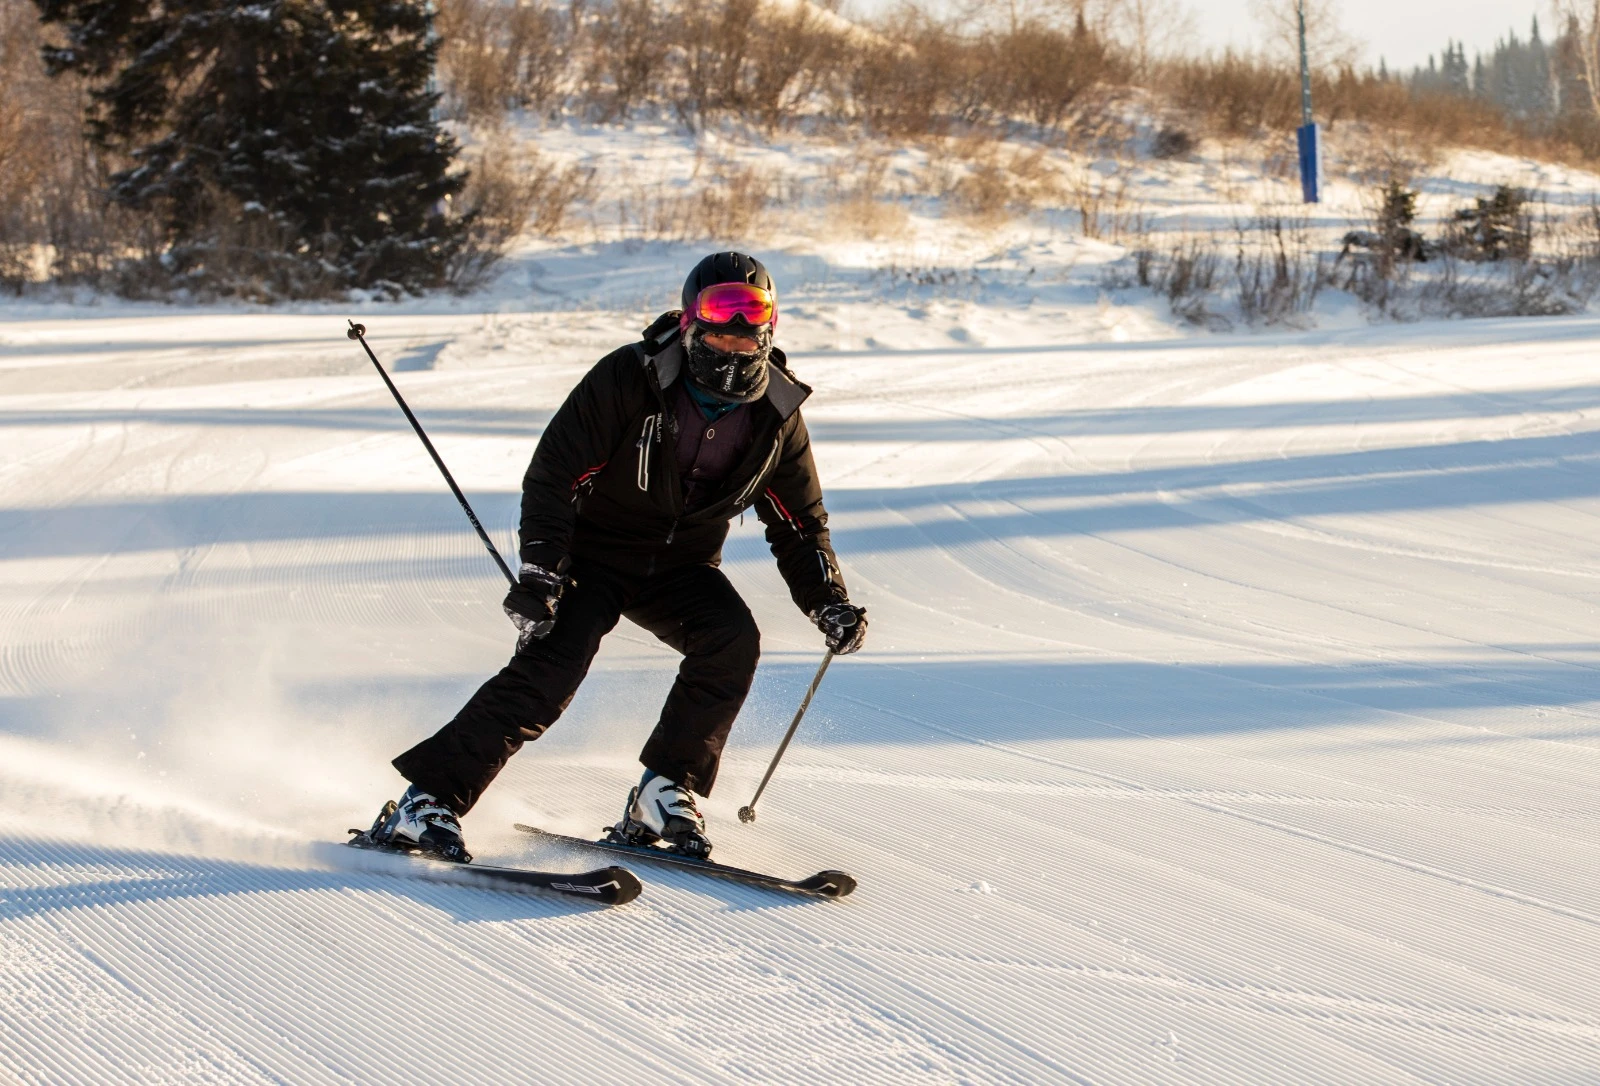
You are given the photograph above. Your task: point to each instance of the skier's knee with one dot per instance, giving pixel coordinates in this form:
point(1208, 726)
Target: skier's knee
point(739, 646)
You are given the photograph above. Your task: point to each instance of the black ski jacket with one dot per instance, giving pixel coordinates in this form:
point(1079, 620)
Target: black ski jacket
point(603, 483)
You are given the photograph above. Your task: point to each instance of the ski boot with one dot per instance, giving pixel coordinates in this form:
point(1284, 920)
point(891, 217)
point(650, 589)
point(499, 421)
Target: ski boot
point(419, 823)
point(662, 811)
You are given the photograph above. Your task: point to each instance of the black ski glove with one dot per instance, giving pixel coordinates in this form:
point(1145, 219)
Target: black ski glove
point(843, 624)
point(531, 606)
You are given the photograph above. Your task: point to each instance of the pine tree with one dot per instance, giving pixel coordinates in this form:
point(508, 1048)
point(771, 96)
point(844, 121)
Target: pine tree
point(1518, 76)
point(289, 147)
point(1456, 73)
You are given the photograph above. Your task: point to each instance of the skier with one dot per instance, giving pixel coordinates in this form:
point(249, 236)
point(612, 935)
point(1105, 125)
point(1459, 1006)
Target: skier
point(625, 508)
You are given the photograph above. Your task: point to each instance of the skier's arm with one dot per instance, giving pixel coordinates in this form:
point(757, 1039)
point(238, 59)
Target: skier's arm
point(797, 525)
point(575, 446)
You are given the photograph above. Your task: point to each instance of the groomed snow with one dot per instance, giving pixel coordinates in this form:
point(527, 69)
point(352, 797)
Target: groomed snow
point(1229, 715)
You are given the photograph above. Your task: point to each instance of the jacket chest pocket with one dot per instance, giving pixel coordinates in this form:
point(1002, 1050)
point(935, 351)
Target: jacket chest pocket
point(755, 480)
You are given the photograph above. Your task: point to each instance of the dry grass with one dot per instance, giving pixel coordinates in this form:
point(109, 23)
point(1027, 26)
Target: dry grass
point(869, 218)
point(725, 202)
point(856, 195)
point(989, 182)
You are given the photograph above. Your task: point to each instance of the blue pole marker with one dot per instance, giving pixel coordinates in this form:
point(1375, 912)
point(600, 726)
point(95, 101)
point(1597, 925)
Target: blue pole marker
point(1310, 137)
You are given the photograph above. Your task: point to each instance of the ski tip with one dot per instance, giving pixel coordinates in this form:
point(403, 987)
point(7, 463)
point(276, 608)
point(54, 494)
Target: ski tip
point(626, 885)
point(829, 884)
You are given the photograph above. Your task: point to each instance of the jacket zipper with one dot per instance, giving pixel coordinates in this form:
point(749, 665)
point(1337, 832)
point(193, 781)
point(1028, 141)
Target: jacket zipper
point(644, 451)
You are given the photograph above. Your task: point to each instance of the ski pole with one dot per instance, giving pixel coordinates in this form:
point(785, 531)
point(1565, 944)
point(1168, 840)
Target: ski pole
point(359, 332)
point(748, 813)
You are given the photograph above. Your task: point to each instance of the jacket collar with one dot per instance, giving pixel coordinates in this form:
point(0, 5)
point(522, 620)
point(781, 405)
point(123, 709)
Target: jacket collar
point(784, 392)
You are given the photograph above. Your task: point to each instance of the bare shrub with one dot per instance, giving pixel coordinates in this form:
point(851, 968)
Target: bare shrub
point(1172, 142)
point(1045, 71)
point(1188, 280)
point(495, 55)
point(900, 82)
point(1349, 96)
point(1234, 95)
point(1274, 276)
point(1186, 274)
point(733, 199)
point(986, 193)
point(1502, 260)
point(1277, 273)
point(627, 56)
point(1517, 288)
point(510, 191)
point(748, 58)
point(919, 76)
point(714, 38)
point(55, 223)
point(793, 58)
point(1100, 199)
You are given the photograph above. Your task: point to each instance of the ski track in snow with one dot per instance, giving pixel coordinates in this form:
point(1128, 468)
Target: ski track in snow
point(1231, 715)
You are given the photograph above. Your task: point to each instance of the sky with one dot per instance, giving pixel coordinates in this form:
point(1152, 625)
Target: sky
point(1402, 32)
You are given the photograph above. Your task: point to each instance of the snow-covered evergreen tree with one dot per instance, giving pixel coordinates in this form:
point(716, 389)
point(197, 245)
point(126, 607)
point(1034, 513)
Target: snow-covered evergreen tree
point(289, 147)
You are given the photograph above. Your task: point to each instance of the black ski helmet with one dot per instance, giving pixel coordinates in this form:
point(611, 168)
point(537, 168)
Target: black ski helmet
point(730, 376)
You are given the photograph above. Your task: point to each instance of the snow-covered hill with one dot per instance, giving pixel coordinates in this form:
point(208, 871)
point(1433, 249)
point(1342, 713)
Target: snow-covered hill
point(1230, 713)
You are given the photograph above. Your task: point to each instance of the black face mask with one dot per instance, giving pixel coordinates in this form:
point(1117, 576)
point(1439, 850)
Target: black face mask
point(732, 377)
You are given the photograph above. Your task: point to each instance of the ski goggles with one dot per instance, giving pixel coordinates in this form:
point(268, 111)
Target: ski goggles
point(723, 303)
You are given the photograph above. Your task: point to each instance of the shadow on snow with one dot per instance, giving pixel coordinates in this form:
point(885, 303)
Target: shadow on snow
point(107, 875)
point(1420, 477)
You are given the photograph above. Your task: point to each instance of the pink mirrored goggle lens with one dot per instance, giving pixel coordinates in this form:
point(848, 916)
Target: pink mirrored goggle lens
point(724, 302)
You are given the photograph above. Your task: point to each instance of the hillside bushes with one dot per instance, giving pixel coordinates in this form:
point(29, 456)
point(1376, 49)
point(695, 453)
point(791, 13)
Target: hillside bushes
point(197, 178)
point(771, 64)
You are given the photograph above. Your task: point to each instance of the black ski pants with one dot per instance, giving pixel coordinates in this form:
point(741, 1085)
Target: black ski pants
point(693, 608)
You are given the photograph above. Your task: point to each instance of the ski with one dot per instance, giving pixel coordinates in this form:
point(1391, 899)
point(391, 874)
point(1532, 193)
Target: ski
point(604, 886)
point(822, 884)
